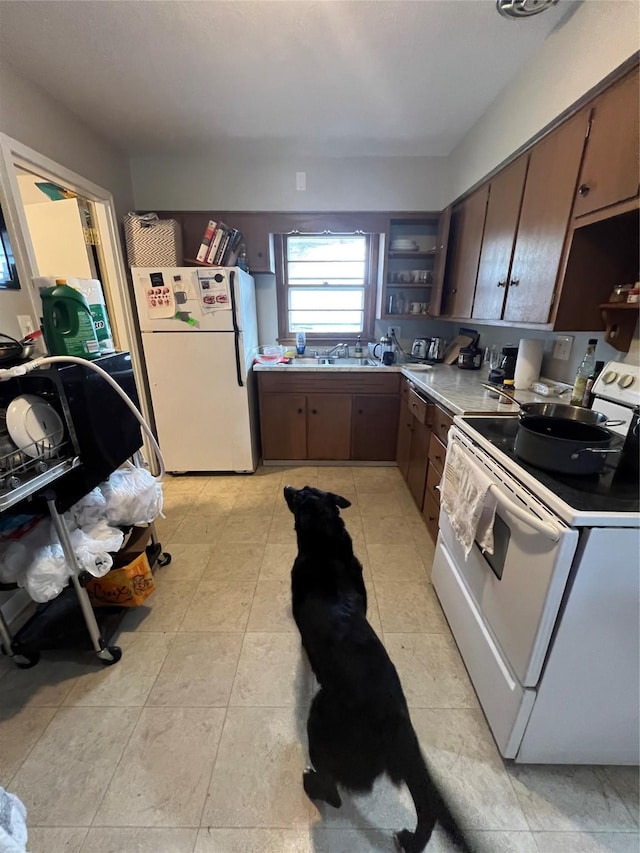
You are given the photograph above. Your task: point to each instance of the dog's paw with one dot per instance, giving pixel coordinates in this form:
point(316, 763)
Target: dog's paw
point(404, 841)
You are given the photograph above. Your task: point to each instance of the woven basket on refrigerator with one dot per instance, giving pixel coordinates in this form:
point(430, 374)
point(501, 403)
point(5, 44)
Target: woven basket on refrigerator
point(152, 242)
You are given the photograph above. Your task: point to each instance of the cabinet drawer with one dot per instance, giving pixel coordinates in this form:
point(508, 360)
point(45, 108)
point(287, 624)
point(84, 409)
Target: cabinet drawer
point(441, 423)
point(419, 408)
point(430, 513)
point(433, 481)
point(437, 452)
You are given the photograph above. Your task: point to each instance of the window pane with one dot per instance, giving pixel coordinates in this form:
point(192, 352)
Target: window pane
point(326, 298)
point(330, 271)
point(328, 322)
point(320, 247)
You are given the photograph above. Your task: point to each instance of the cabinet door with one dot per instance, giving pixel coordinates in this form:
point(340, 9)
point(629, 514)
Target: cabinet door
point(418, 461)
point(283, 426)
point(405, 430)
point(467, 228)
point(505, 198)
point(374, 428)
point(328, 426)
point(610, 169)
point(544, 220)
point(442, 243)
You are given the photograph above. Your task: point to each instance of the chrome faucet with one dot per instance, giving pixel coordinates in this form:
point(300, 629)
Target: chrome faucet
point(336, 348)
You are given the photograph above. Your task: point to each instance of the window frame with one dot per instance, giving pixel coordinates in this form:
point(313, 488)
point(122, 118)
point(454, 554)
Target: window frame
point(370, 287)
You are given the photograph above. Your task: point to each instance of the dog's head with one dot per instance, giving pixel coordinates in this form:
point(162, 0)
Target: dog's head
point(314, 509)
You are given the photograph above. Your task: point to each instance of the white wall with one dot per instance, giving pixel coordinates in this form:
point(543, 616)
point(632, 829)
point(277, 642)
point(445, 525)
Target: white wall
point(253, 176)
point(592, 43)
point(32, 117)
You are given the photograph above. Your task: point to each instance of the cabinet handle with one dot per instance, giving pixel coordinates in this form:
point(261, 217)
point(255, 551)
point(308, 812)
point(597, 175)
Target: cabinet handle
point(583, 190)
point(454, 290)
point(438, 458)
point(359, 411)
point(300, 411)
point(314, 411)
point(514, 282)
point(502, 284)
point(432, 518)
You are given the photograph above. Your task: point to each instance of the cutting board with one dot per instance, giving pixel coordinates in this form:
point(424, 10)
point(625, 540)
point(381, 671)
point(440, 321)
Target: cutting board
point(453, 350)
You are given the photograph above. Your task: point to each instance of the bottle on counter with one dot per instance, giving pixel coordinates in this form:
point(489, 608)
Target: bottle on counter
point(587, 398)
point(587, 366)
point(358, 348)
point(301, 343)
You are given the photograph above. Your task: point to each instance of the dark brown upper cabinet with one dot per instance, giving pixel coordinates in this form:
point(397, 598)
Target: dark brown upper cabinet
point(467, 228)
point(609, 174)
point(549, 190)
point(505, 200)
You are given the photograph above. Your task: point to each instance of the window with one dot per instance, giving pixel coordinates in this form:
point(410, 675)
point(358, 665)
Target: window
point(327, 289)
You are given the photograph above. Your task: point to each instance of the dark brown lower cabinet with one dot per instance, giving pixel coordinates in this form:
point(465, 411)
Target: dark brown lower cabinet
point(374, 427)
point(328, 426)
point(405, 431)
point(418, 461)
point(283, 422)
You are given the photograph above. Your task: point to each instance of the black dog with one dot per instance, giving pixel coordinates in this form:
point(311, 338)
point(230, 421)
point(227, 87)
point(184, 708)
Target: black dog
point(359, 725)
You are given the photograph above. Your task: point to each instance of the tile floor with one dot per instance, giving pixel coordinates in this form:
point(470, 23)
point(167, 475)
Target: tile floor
point(195, 741)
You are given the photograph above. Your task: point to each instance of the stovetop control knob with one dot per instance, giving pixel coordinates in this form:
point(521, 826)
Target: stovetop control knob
point(626, 381)
point(609, 377)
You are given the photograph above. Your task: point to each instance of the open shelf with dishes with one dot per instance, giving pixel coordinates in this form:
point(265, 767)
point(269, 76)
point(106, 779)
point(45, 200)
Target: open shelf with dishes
point(408, 266)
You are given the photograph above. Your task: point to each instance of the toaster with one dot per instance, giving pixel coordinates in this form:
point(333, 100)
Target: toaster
point(420, 347)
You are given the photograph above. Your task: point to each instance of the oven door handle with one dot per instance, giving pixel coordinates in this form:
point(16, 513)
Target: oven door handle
point(543, 527)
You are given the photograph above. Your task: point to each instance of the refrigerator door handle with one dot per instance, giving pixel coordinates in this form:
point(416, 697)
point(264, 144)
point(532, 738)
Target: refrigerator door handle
point(236, 330)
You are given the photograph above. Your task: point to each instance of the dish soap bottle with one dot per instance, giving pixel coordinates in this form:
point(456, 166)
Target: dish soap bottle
point(67, 323)
point(587, 366)
point(301, 343)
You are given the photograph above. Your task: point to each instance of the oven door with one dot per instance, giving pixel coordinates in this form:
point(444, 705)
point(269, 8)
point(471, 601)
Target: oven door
point(518, 589)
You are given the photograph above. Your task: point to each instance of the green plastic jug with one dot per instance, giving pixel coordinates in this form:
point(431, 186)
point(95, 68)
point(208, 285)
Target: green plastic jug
point(67, 324)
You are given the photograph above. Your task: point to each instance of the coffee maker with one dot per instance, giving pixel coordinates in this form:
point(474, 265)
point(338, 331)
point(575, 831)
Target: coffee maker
point(506, 369)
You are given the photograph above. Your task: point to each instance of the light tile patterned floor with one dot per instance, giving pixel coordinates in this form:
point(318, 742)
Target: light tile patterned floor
point(195, 741)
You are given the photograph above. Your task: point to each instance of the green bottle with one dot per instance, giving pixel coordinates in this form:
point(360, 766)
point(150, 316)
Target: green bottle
point(67, 324)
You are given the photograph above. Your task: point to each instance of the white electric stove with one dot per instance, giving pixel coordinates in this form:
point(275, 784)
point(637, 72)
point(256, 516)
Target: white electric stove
point(548, 625)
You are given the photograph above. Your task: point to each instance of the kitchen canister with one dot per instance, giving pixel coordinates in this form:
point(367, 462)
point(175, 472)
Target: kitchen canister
point(151, 241)
point(528, 363)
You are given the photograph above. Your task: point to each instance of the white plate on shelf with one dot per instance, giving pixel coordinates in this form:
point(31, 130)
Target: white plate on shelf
point(34, 426)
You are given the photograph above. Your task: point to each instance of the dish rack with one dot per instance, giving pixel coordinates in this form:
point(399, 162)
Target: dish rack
point(25, 472)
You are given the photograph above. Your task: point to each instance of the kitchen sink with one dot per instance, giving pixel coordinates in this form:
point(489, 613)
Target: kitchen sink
point(323, 361)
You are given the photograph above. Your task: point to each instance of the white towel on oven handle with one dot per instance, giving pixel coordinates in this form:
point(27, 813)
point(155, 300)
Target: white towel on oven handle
point(467, 499)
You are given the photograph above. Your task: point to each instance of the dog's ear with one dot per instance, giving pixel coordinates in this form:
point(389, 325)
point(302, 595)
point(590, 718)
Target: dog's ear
point(339, 501)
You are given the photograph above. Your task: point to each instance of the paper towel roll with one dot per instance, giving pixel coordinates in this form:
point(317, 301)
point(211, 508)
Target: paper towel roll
point(528, 363)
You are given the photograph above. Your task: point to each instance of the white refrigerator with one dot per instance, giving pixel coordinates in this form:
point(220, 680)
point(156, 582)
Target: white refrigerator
point(198, 329)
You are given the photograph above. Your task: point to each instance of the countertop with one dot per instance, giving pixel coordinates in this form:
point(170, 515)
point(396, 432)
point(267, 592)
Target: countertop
point(458, 391)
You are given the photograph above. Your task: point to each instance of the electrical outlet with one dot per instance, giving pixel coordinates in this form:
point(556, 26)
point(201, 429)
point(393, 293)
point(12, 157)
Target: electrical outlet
point(26, 324)
point(562, 347)
point(301, 181)
point(396, 329)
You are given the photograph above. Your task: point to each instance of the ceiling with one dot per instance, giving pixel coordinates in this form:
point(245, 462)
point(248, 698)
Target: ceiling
point(369, 77)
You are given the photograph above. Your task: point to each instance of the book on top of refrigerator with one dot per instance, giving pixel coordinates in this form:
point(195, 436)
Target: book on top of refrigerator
point(206, 241)
point(212, 254)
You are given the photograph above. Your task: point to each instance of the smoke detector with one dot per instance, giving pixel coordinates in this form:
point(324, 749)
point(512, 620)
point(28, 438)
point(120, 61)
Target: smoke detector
point(523, 8)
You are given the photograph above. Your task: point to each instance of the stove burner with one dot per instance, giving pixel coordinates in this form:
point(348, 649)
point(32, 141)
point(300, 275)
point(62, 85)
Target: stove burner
point(615, 489)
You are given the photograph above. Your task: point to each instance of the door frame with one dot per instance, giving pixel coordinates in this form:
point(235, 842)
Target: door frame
point(14, 155)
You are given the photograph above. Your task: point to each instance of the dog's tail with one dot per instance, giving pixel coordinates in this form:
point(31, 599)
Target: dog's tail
point(431, 807)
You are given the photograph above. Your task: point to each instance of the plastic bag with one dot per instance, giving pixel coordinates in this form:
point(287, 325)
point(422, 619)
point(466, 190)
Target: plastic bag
point(133, 496)
point(90, 509)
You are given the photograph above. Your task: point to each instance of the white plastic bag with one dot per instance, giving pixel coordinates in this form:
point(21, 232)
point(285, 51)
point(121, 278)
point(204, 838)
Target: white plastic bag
point(133, 496)
point(47, 575)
